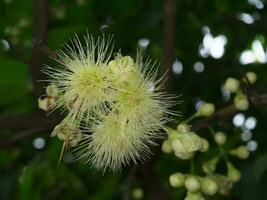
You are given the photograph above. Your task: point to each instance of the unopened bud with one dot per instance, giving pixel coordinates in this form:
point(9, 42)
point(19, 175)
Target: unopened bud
point(177, 180)
point(241, 101)
point(232, 173)
point(206, 110)
point(252, 77)
point(204, 145)
point(47, 104)
point(52, 91)
point(186, 143)
point(232, 84)
point(220, 138)
point(67, 133)
point(183, 128)
point(194, 196)
point(138, 193)
point(42, 103)
point(210, 166)
point(241, 152)
point(184, 156)
point(208, 186)
point(192, 184)
point(172, 133)
point(166, 146)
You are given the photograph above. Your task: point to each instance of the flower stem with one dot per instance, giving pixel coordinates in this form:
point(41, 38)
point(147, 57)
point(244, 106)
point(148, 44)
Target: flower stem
point(191, 118)
point(222, 152)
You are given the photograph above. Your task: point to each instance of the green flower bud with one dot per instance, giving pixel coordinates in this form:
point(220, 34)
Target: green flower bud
point(241, 101)
point(241, 152)
point(184, 156)
point(183, 128)
point(194, 196)
point(232, 84)
point(204, 145)
point(137, 193)
point(206, 110)
point(210, 166)
point(172, 133)
point(166, 146)
point(232, 173)
point(208, 186)
point(192, 183)
point(176, 180)
point(252, 77)
point(220, 138)
point(186, 143)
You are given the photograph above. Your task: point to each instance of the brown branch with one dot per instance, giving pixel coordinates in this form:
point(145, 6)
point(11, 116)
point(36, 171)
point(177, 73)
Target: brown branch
point(46, 50)
point(168, 40)
point(26, 121)
point(41, 29)
point(218, 116)
point(18, 137)
point(146, 174)
point(225, 113)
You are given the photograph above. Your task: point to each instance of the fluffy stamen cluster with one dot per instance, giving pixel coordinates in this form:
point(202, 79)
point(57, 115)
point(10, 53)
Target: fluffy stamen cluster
point(117, 103)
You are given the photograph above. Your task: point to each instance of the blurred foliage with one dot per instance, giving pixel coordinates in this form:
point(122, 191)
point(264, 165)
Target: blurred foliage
point(30, 173)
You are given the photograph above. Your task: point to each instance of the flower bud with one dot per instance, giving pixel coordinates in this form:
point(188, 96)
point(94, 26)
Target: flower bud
point(210, 166)
point(206, 110)
point(47, 104)
point(183, 128)
point(220, 138)
point(42, 104)
point(186, 143)
point(194, 196)
point(232, 173)
point(241, 101)
point(192, 183)
point(172, 133)
point(166, 146)
point(184, 156)
point(208, 186)
point(137, 193)
point(67, 133)
point(232, 84)
point(204, 145)
point(241, 152)
point(176, 180)
point(52, 91)
point(252, 77)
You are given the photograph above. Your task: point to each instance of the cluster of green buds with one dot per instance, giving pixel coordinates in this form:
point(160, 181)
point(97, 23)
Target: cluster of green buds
point(195, 185)
point(184, 142)
point(233, 85)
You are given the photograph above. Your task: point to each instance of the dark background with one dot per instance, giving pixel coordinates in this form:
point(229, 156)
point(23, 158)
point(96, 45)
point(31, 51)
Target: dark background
point(174, 31)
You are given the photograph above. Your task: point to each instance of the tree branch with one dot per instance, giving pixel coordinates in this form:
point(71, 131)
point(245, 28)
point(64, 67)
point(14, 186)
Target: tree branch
point(168, 40)
point(26, 121)
point(41, 29)
point(18, 137)
point(223, 114)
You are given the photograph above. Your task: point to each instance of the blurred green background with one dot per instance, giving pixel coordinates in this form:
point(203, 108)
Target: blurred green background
point(200, 42)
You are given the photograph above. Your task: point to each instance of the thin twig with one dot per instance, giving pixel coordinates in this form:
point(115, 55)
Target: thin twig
point(20, 136)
